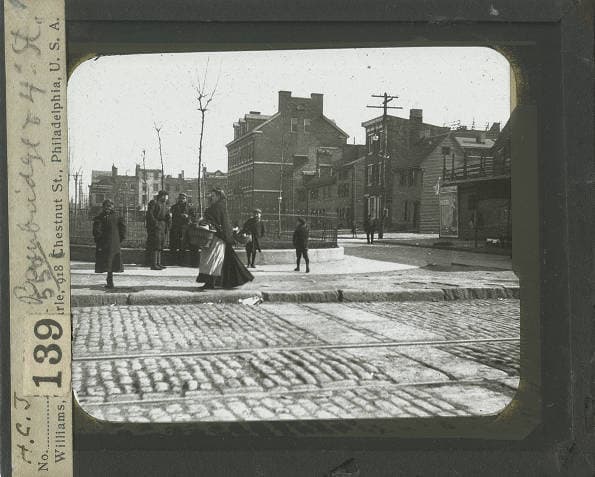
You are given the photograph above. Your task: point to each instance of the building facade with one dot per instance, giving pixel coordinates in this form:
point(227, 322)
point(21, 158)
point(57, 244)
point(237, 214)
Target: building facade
point(133, 193)
point(458, 170)
point(392, 175)
point(272, 157)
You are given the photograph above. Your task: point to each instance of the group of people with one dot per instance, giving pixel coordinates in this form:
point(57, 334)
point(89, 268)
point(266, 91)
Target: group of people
point(371, 226)
point(219, 264)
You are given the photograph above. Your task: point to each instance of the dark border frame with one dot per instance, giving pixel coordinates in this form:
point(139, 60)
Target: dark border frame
point(548, 429)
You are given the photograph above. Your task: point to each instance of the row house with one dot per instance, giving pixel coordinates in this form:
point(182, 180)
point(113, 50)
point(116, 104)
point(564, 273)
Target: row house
point(121, 189)
point(392, 175)
point(336, 187)
point(272, 156)
point(135, 192)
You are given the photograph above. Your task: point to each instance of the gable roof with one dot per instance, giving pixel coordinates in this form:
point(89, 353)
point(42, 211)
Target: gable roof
point(333, 124)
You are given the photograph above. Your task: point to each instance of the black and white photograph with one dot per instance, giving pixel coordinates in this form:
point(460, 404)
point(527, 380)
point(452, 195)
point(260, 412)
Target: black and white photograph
point(293, 235)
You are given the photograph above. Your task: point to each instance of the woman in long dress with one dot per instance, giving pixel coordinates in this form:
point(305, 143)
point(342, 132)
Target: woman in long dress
point(219, 264)
point(109, 231)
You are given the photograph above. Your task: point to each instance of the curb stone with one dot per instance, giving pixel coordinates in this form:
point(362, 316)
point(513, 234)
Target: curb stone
point(314, 296)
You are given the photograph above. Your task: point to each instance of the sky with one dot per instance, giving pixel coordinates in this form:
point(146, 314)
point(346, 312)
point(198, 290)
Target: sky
point(115, 102)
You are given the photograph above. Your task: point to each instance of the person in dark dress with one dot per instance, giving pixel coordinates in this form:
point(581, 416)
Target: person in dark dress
point(219, 264)
point(381, 222)
point(369, 227)
point(300, 242)
point(157, 222)
point(254, 228)
point(181, 216)
point(109, 231)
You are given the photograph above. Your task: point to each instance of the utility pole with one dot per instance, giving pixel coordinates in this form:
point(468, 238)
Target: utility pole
point(80, 192)
point(145, 189)
point(386, 98)
point(385, 107)
point(76, 190)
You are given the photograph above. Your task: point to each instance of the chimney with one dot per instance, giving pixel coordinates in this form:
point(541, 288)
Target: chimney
point(494, 131)
point(284, 97)
point(114, 171)
point(415, 122)
point(316, 100)
point(416, 115)
point(481, 137)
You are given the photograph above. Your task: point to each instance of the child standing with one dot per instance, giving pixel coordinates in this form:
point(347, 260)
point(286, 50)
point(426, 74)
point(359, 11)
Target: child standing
point(300, 242)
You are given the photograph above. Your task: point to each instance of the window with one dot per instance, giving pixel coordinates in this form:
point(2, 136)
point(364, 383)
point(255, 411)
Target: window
point(402, 178)
point(370, 173)
point(445, 150)
point(307, 123)
point(410, 177)
point(294, 124)
point(156, 175)
point(144, 187)
point(99, 198)
point(155, 187)
point(406, 211)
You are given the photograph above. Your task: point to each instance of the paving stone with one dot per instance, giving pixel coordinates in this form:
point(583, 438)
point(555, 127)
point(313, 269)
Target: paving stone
point(289, 371)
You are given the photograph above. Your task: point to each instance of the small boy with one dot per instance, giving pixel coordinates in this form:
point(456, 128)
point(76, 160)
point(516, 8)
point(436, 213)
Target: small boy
point(300, 242)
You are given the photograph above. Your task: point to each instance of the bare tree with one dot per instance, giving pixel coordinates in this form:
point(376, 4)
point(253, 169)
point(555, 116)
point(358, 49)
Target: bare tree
point(158, 130)
point(203, 98)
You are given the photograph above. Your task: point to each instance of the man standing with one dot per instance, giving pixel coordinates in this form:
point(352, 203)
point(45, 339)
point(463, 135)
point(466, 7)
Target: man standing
point(157, 223)
point(254, 227)
point(180, 218)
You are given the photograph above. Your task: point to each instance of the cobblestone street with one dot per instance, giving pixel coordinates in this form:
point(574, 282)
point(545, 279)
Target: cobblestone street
point(295, 361)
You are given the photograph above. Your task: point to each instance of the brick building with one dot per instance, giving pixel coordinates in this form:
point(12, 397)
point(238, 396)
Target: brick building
point(337, 186)
point(135, 192)
point(392, 182)
point(272, 157)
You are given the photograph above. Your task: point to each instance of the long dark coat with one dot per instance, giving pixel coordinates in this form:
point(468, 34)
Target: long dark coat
point(233, 271)
point(157, 222)
point(181, 215)
point(301, 237)
point(109, 231)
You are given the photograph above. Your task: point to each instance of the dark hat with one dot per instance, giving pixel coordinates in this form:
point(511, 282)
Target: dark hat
point(301, 220)
point(182, 195)
point(257, 211)
point(161, 193)
point(107, 201)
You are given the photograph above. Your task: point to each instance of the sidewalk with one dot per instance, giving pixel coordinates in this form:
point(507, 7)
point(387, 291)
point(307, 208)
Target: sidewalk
point(430, 241)
point(351, 279)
